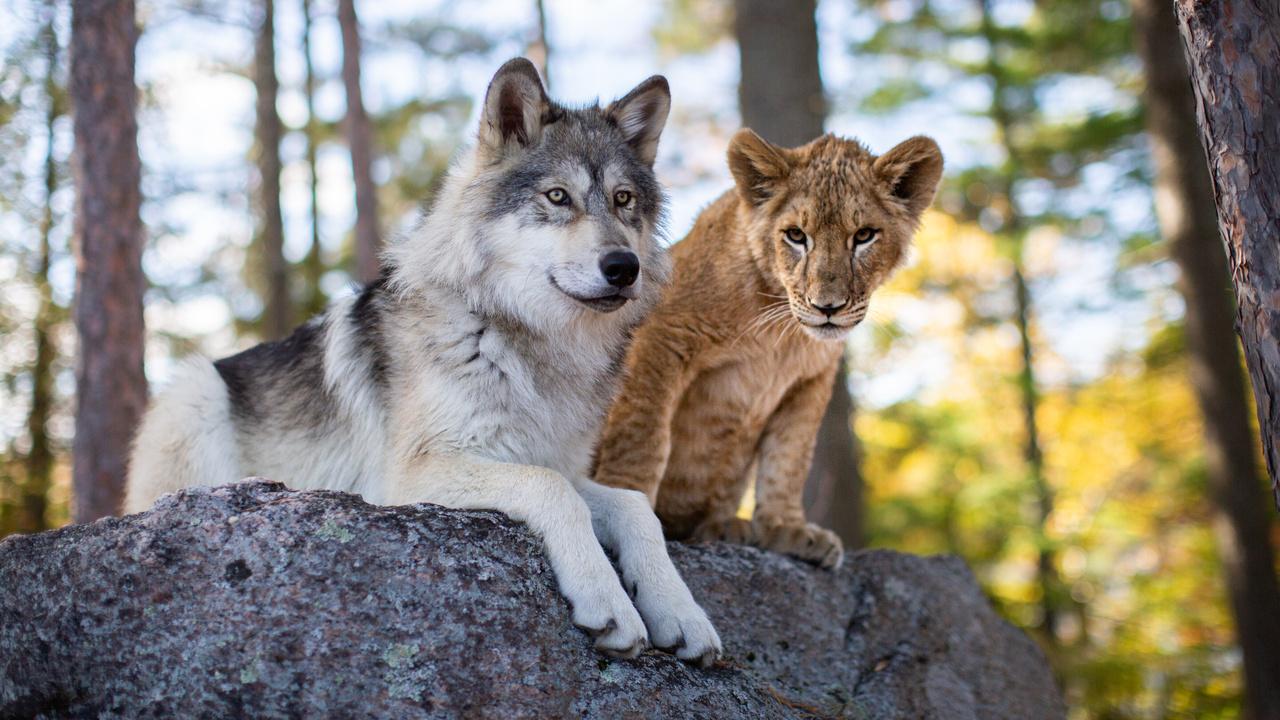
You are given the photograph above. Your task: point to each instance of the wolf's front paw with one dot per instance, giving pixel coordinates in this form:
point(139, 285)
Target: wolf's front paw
point(731, 530)
point(678, 625)
point(808, 542)
point(606, 614)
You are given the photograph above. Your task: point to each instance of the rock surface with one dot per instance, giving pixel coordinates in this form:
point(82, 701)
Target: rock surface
point(254, 601)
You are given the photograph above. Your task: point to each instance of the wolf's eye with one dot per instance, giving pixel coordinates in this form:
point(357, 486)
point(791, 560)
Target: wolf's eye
point(622, 198)
point(795, 236)
point(558, 196)
point(865, 235)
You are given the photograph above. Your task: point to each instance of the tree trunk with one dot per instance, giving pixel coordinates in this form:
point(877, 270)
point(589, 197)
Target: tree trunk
point(833, 492)
point(540, 49)
point(1234, 53)
point(780, 96)
point(1013, 231)
point(1185, 210)
point(32, 515)
point(780, 91)
point(1051, 593)
point(110, 386)
point(314, 264)
point(277, 317)
point(360, 139)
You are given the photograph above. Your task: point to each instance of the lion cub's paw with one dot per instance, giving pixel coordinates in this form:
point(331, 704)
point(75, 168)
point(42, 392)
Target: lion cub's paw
point(731, 530)
point(808, 542)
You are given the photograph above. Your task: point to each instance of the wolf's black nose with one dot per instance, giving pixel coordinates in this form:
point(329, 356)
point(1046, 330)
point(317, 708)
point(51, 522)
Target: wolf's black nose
point(620, 268)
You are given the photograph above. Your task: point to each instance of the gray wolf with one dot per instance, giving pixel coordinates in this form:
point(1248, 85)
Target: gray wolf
point(476, 373)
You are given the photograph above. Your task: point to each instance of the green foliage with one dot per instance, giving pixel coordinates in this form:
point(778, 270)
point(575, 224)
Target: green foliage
point(892, 95)
point(33, 103)
point(693, 26)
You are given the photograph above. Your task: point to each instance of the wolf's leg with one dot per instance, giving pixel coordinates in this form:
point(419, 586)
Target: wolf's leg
point(546, 502)
point(186, 438)
point(785, 453)
point(625, 524)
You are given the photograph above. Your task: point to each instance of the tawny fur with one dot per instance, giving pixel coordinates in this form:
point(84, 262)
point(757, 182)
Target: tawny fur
point(729, 377)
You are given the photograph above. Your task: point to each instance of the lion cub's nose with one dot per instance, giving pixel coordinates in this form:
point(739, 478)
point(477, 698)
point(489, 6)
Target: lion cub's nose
point(620, 268)
point(828, 309)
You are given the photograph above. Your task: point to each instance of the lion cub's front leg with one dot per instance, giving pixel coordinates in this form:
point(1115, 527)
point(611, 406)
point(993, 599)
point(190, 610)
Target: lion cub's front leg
point(782, 464)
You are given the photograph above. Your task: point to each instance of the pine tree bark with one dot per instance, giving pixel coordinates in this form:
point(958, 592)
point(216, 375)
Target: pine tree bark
point(1188, 220)
point(277, 317)
point(780, 96)
point(32, 512)
point(110, 386)
point(360, 139)
point(313, 267)
point(1233, 48)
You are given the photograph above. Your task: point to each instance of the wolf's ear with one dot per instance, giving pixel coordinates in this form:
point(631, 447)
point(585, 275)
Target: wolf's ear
point(911, 170)
point(641, 114)
point(514, 107)
point(757, 166)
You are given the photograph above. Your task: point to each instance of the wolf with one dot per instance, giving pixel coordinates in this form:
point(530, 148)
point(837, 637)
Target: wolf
point(476, 373)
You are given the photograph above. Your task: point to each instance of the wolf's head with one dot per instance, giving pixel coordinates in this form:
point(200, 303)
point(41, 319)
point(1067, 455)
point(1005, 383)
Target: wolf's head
point(554, 205)
point(829, 222)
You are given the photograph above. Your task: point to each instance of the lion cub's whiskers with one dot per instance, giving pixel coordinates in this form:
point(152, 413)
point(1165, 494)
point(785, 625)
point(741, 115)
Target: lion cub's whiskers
point(769, 314)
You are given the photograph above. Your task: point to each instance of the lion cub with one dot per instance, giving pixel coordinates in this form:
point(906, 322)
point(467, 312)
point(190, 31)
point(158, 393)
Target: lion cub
point(730, 376)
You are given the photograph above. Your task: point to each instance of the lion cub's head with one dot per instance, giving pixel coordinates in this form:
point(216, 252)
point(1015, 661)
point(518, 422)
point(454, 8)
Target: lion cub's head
point(829, 221)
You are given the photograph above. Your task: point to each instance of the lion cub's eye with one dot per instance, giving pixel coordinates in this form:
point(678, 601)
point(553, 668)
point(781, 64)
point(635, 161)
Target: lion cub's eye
point(558, 196)
point(622, 198)
point(865, 235)
point(796, 236)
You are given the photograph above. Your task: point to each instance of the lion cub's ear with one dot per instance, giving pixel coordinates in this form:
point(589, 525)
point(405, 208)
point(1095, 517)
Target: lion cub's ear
point(641, 114)
point(758, 166)
point(911, 170)
point(515, 106)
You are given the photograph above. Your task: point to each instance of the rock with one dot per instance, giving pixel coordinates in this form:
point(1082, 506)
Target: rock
point(251, 600)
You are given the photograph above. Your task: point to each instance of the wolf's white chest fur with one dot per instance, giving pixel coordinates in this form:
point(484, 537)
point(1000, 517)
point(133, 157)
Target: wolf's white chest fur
point(490, 386)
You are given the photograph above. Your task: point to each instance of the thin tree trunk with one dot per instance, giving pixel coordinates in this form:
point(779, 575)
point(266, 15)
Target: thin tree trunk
point(1046, 567)
point(540, 49)
point(780, 96)
point(314, 265)
point(276, 315)
point(1013, 231)
point(833, 492)
point(35, 491)
point(360, 139)
point(1233, 48)
point(1185, 210)
point(110, 385)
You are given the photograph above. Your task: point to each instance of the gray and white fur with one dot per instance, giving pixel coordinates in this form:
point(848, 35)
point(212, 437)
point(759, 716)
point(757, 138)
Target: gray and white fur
point(477, 372)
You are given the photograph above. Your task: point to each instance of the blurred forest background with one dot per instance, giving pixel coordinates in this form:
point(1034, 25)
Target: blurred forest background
point(1051, 390)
